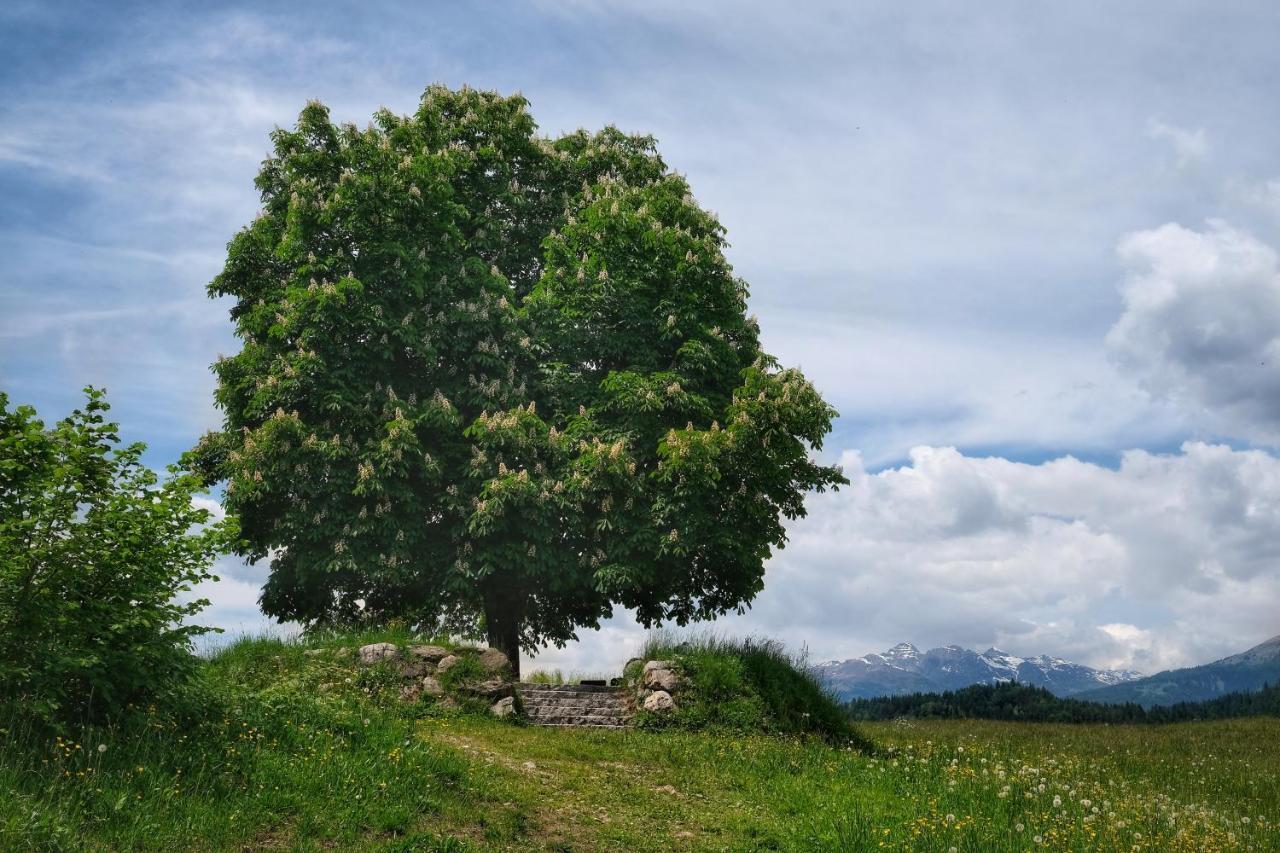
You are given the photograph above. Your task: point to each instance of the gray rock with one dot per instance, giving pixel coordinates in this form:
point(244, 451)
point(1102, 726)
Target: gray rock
point(375, 652)
point(659, 700)
point(434, 654)
point(491, 688)
point(494, 660)
point(315, 653)
point(661, 679)
point(504, 707)
point(658, 664)
point(432, 687)
point(342, 652)
point(414, 669)
point(446, 663)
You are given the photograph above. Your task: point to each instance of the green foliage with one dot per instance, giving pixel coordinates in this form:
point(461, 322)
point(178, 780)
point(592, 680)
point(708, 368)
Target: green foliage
point(95, 554)
point(494, 379)
point(1012, 701)
point(746, 685)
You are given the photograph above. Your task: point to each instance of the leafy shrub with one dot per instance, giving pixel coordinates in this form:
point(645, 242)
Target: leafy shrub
point(746, 685)
point(94, 553)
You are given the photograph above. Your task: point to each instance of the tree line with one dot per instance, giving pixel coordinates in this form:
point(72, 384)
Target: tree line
point(1021, 702)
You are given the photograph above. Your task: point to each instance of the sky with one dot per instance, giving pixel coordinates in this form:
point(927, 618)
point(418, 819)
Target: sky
point(1028, 251)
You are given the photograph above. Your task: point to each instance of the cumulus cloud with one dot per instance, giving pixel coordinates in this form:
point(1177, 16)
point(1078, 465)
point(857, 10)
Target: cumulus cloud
point(1189, 146)
point(1166, 560)
point(1201, 324)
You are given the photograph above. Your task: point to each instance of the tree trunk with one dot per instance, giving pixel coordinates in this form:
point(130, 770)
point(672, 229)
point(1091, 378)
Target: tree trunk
point(502, 626)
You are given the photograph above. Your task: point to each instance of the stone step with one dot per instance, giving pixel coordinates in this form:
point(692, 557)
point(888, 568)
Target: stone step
point(564, 695)
point(576, 705)
point(563, 711)
point(579, 720)
point(570, 698)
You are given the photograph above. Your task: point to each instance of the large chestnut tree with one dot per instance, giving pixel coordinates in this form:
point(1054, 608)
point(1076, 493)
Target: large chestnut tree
point(494, 379)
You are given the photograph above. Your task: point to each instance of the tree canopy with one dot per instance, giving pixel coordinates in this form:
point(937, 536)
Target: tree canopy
point(494, 378)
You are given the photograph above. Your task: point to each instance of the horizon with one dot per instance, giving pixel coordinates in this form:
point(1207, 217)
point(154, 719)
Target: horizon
point(1032, 262)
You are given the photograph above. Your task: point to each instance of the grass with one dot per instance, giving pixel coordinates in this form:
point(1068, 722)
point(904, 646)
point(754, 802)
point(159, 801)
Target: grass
point(746, 685)
point(297, 752)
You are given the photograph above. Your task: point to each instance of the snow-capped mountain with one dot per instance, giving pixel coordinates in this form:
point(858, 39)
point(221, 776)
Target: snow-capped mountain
point(905, 669)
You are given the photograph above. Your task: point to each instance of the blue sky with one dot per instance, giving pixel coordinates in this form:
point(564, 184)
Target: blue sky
point(1040, 234)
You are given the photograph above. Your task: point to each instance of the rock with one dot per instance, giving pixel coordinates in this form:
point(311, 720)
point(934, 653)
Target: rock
point(493, 660)
point(410, 692)
point(666, 789)
point(314, 653)
point(414, 669)
point(659, 700)
point(342, 652)
point(434, 654)
point(504, 707)
point(375, 652)
point(661, 679)
point(658, 664)
point(446, 663)
point(431, 687)
point(491, 687)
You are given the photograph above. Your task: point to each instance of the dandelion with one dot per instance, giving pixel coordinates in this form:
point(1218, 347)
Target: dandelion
point(1057, 802)
point(951, 818)
point(1018, 827)
point(102, 747)
point(1039, 839)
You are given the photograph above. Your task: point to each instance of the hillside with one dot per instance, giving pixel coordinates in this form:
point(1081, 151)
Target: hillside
point(1249, 670)
point(904, 669)
point(300, 748)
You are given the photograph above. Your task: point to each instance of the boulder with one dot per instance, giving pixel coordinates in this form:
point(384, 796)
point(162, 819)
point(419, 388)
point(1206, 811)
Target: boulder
point(491, 688)
point(446, 663)
point(494, 660)
point(315, 653)
point(434, 654)
point(658, 664)
point(414, 669)
point(431, 687)
point(659, 700)
point(504, 707)
point(342, 652)
point(661, 679)
point(375, 652)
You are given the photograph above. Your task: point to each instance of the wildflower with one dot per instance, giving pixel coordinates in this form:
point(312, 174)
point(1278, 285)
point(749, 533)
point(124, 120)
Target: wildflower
point(1057, 802)
point(1018, 827)
point(1039, 839)
point(102, 747)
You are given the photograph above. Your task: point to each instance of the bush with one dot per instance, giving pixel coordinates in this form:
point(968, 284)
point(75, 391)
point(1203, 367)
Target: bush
point(94, 552)
point(746, 685)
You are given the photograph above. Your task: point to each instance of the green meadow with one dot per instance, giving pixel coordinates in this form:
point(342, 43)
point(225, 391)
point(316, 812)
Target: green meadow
point(281, 750)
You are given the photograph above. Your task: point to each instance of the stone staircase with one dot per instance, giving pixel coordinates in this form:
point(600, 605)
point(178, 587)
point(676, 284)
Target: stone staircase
point(586, 705)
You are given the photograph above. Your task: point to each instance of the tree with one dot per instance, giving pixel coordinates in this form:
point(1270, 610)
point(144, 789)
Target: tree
point(499, 379)
point(94, 552)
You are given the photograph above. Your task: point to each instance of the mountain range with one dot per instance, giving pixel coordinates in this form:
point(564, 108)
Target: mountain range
point(1247, 671)
point(905, 669)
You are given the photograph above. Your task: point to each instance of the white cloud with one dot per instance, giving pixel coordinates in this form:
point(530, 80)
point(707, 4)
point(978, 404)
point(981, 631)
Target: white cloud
point(1165, 561)
point(1201, 324)
point(1189, 146)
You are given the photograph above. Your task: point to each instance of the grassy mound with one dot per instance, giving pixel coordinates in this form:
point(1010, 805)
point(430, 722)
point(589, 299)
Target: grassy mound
point(274, 744)
point(749, 685)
